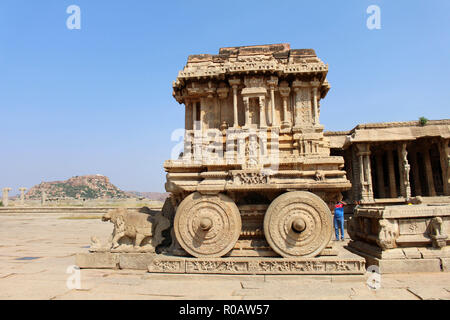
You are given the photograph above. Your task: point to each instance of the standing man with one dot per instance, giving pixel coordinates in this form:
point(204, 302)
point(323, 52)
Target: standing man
point(339, 219)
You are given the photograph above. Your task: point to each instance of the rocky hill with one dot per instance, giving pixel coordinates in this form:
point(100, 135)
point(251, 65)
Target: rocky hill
point(79, 187)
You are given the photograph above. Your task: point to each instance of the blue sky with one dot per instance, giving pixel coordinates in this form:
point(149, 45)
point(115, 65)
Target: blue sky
point(99, 99)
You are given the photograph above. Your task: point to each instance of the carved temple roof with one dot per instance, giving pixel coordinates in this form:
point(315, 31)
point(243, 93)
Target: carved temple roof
point(272, 59)
point(389, 131)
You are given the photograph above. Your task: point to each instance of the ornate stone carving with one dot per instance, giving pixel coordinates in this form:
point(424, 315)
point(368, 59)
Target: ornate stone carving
point(258, 266)
point(207, 226)
point(320, 176)
point(437, 232)
point(252, 152)
point(254, 82)
point(133, 231)
point(405, 169)
point(250, 178)
point(167, 265)
point(269, 88)
point(298, 224)
point(388, 233)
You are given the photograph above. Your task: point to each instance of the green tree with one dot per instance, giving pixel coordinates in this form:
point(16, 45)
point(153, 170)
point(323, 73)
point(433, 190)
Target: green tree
point(423, 121)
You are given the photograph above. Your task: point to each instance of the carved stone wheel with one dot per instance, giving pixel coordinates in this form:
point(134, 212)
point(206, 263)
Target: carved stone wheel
point(298, 224)
point(207, 225)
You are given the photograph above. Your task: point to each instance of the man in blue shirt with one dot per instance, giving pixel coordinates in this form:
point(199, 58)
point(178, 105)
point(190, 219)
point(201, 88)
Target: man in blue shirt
point(339, 219)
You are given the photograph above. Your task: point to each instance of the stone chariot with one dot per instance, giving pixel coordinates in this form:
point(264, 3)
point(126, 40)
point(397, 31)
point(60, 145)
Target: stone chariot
point(252, 190)
point(256, 177)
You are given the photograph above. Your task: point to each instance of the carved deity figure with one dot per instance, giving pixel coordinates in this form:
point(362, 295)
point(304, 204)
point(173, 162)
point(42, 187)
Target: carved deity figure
point(251, 152)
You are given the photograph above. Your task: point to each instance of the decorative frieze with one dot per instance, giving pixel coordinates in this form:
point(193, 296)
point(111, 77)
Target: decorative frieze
point(249, 177)
point(254, 265)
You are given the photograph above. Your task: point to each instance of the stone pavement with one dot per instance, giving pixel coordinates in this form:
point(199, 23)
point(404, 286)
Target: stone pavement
point(36, 250)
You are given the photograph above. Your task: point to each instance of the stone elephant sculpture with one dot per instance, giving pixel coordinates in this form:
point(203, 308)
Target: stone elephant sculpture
point(137, 225)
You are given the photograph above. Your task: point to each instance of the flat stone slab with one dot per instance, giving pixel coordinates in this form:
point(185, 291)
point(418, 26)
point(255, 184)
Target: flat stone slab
point(401, 265)
point(409, 265)
point(99, 260)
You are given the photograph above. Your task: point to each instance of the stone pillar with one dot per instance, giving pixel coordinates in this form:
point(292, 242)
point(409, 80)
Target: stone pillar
point(297, 108)
point(365, 174)
point(429, 173)
point(194, 114)
point(234, 84)
point(262, 109)
point(368, 171)
point(284, 92)
point(5, 196)
point(235, 108)
point(247, 111)
point(380, 175)
point(356, 172)
point(22, 195)
point(391, 172)
point(43, 198)
point(222, 93)
point(404, 168)
point(273, 82)
point(416, 174)
point(315, 85)
point(362, 178)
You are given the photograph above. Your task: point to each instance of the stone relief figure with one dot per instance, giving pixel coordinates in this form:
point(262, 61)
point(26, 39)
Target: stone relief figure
point(437, 232)
point(251, 152)
point(251, 178)
point(319, 176)
point(388, 233)
point(133, 231)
